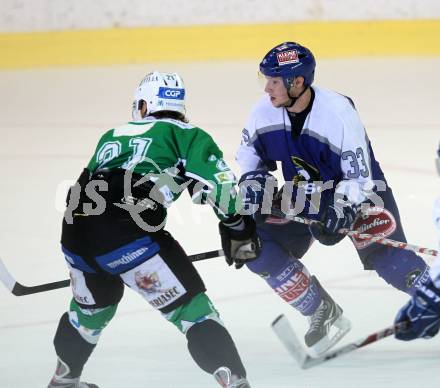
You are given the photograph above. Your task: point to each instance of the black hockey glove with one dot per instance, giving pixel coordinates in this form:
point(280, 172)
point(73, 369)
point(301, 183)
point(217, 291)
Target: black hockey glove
point(339, 215)
point(239, 240)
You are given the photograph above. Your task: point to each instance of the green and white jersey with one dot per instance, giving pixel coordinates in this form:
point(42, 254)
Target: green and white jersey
point(175, 155)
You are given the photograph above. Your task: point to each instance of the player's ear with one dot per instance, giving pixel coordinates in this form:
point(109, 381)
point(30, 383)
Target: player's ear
point(299, 82)
point(143, 108)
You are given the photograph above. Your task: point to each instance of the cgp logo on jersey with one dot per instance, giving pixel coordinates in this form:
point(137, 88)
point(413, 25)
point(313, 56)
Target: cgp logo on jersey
point(169, 93)
point(376, 221)
point(287, 57)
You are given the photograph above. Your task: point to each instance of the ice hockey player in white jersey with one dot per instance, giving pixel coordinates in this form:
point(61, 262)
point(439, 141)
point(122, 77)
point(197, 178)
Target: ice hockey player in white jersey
point(114, 236)
point(422, 312)
point(330, 173)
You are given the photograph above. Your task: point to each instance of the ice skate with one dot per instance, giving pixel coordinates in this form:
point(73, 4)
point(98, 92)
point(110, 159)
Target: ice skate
point(321, 335)
point(61, 379)
point(226, 379)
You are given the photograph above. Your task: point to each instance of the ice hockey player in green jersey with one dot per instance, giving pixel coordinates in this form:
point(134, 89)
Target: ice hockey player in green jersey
point(113, 234)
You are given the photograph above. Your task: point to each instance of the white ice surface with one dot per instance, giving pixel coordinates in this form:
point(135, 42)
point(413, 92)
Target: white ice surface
point(50, 121)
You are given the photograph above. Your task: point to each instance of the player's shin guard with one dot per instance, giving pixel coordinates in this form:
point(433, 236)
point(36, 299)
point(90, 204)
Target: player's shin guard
point(212, 347)
point(404, 270)
point(71, 348)
point(289, 278)
point(209, 343)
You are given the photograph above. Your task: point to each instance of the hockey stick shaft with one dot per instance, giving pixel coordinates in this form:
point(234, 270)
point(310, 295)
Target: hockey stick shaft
point(364, 236)
point(18, 289)
point(206, 255)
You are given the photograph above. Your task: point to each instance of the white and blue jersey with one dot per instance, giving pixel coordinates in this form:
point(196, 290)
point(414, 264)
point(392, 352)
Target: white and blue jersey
point(331, 146)
point(327, 142)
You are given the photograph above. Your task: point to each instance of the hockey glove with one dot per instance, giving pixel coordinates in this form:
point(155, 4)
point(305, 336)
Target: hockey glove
point(257, 189)
point(277, 207)
point(422, 313)
point(339, 215)
point(239, 240)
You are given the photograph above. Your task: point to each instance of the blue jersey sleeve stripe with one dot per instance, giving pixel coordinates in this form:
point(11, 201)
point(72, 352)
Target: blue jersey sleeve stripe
point(322, 140)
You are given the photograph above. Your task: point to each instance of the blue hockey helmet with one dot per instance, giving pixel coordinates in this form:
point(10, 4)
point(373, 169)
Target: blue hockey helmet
point(289, 60)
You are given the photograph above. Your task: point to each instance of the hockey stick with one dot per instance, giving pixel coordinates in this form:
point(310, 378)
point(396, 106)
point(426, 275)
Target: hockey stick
point(18, 289)
point(364, 236)
point(287, 336)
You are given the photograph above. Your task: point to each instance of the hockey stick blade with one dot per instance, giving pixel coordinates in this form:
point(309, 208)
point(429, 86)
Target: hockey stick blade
point(287, 336)
point(18, 289)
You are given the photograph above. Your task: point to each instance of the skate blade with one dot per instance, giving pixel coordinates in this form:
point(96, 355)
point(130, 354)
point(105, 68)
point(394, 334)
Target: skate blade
point(342, 325)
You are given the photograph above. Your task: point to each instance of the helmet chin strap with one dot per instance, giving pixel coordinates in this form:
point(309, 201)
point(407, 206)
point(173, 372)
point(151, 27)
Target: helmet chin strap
point(294, 99)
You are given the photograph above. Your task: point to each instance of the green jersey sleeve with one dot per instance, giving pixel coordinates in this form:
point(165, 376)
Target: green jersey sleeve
point(214, 181)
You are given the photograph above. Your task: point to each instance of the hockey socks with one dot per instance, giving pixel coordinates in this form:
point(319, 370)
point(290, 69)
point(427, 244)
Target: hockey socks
point(404, 270)
point(211, 347)
point(288, 277)
point(71, 347)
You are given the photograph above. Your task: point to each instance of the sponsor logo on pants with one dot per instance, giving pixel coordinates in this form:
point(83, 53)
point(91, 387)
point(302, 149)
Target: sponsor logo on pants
point(294, 287)
point(376, 221)
point(155, 281)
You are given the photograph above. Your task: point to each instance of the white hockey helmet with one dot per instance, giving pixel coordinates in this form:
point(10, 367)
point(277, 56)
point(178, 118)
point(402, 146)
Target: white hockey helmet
point(161, 91)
